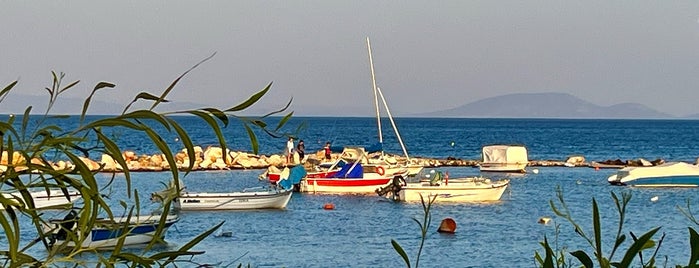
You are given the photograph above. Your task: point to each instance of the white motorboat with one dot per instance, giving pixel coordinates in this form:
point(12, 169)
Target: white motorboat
point(269, 199)
point(671, 174)
point(46, 199)
point(504, 158)
point(471, 189)
point(139, 229)
point(266, 197)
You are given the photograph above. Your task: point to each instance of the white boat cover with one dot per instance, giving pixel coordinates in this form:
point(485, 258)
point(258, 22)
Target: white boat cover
point(505, 154)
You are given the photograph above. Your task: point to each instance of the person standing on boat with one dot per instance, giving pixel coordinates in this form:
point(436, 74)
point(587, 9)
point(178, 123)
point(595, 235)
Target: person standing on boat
point(301, 149)
point(290, 150)
point(327, 151)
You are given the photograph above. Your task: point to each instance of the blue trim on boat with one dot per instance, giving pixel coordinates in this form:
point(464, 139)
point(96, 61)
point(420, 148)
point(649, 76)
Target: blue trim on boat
point(104, 234)
point(682, 180)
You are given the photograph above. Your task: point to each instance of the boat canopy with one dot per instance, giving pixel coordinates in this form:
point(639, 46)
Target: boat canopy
point(354, 170)
point(505, 154)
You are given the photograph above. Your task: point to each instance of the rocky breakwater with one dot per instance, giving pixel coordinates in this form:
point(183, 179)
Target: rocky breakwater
point(214, 158)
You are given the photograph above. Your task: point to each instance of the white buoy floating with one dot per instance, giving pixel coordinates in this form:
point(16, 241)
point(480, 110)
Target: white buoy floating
point(654, 199)
point(544, 220)
point(535, 171)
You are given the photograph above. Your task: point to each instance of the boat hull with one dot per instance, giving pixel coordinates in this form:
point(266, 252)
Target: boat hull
point(453, 191)
point(233, 201)
point(343, 185)
point(106, 233)
point(274, 177)
point(44, 200)
point(661, 181)
point(504, 167)
point(672, 174)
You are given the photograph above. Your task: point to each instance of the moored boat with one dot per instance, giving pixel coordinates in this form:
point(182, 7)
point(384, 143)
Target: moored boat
point(504, 158)
point(470, 189)
point(352, 179)
point(268, 199)
point(139, 229)
point(46, 199)
point(671, 174)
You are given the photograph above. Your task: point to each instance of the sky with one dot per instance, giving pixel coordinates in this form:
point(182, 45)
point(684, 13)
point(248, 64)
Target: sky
point(428, 55)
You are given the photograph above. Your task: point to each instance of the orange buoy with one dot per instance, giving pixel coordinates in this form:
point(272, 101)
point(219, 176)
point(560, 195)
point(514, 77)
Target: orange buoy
point(596, 168)
point(328, 206)
point(448, 225)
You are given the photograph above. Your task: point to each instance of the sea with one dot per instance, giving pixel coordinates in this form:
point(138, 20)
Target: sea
point(359, 231)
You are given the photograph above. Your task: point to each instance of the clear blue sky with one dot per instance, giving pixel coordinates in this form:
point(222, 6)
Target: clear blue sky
point(428, 55)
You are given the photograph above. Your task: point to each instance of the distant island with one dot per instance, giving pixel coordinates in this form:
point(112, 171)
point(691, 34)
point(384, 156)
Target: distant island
point(547, 105)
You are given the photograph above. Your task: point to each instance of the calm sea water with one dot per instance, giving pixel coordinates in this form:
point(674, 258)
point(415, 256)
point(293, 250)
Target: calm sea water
point(358, 232)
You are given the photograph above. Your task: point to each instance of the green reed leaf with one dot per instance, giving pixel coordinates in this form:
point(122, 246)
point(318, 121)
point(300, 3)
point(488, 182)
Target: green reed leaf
point(250, 101)
point(637, 247)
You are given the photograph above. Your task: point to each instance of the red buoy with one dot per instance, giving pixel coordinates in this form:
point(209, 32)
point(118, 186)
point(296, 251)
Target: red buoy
point(448, 225)
point(328, 206)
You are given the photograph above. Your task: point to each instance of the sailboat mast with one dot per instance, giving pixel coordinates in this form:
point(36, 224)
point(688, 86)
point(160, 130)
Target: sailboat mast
point(390, 117)
point(376, 98)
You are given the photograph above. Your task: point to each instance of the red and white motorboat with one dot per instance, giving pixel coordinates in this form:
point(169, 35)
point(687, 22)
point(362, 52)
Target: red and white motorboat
point(351, 179)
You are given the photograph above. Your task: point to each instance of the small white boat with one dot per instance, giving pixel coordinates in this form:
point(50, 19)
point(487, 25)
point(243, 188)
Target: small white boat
point(504, 158)
point(270, 199)
point(472, 189)
point(671, 174)
point(46, 200)
point(140, 229)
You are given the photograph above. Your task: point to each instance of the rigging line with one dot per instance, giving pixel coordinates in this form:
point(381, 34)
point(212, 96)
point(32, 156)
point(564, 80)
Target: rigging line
point(395, 128)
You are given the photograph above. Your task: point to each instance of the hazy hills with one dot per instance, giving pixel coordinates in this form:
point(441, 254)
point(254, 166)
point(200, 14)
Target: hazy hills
point(546, 105)
point(529, 105)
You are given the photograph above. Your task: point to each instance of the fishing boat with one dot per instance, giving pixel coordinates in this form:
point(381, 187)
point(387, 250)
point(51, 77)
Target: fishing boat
point(266, 197)
point(46, 199)
point(469, 189)
point(671, 174)
point(504, 158)
point(106, 233)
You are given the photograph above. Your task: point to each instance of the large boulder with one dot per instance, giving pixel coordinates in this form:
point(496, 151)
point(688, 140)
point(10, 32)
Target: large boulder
point(576, 160)
point(92, 165)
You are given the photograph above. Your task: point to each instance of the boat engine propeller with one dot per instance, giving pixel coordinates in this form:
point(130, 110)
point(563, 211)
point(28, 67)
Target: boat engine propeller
point(394, 187)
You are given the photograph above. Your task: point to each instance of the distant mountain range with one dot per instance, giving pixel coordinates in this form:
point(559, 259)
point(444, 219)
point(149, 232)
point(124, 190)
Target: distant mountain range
point(524, 105)
point(547, 105)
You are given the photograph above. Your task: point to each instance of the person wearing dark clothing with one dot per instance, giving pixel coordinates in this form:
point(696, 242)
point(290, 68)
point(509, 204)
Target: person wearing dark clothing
point(301, 149)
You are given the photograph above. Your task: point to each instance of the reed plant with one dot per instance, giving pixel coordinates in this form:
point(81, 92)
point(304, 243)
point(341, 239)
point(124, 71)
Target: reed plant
point(32, 145)
point(424, 225)
point(633, 250)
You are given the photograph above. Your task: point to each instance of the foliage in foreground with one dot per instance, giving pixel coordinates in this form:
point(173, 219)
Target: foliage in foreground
point(424, 226)
point(634, 254)
point(31, 148)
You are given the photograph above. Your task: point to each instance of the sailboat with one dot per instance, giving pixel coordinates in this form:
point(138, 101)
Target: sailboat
point(413, 169)
point(361, 175)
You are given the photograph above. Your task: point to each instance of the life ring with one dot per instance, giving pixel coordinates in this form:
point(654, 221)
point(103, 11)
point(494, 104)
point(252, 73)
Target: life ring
point(380, 170)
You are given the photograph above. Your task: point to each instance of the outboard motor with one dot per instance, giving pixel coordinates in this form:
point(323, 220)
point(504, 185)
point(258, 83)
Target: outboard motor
point(395, 187)
point(65, 226)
